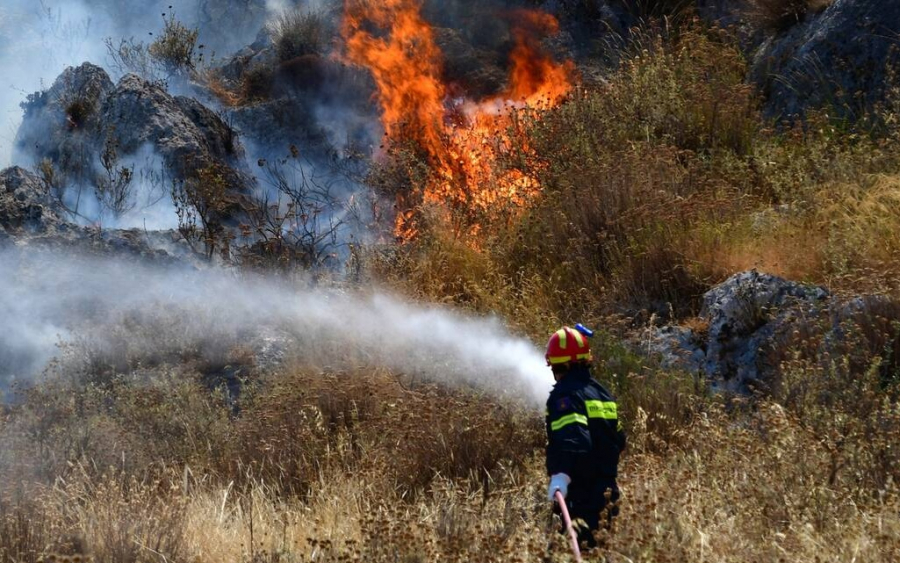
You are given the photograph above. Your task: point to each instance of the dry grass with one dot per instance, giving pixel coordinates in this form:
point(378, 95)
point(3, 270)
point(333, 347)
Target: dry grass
point(701, 481)
point(296, 33)
point(656, 186)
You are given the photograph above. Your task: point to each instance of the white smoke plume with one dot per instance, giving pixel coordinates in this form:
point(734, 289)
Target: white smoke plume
point(114, 305)
point(40, 38)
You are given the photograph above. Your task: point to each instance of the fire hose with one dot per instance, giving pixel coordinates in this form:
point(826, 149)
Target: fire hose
point(561, 500)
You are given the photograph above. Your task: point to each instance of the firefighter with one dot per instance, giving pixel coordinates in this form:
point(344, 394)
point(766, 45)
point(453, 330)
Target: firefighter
point(584, 435)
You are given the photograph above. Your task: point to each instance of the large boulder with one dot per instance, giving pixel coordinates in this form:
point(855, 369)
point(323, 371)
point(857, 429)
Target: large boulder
point(278, 124)
point(60, 124)
point(745, 321)
point(840, 58)
point(184, 132)
point(745, 315)
point(313, 102)
point(33, 218)
point(83, 118)
point(753, 323)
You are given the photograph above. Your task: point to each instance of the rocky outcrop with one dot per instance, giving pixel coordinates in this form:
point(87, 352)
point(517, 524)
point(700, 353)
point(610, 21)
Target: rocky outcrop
point(746, 321)
point(276, 125)
point(184, 132)
point(746, 315)
point(84, 116)
point(313, 102)
point(60, 123)
point(839, 58)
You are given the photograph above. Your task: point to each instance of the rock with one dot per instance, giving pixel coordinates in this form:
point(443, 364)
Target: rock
point(30, 217)
point(677, 348)
point(830, 58)
point(25, 205)
point(258, 55)
point(317, 103)
point(278, 124)
point(225, 23)
point(70, 103)
point(60, 123)
point(83, 115)
point(747, 317)
point(186, 134)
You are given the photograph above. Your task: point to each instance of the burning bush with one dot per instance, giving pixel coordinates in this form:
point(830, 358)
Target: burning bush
point(460, 143)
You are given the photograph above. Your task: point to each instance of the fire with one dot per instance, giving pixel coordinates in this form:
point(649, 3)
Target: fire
point(405, 63)
point(535, 78)
point(462, 139)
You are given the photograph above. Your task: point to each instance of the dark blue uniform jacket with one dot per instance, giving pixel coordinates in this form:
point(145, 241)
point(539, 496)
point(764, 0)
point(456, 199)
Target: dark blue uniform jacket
point(584, 435)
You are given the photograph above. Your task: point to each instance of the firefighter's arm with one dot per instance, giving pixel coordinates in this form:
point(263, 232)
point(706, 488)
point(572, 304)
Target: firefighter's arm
point(567, 433)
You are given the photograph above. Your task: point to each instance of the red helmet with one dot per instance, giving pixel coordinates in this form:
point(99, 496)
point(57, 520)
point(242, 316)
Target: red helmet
point(567, 345)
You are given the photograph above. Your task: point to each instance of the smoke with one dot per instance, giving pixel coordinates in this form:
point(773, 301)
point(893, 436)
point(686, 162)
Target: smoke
point(138, 315)
point(39, 39)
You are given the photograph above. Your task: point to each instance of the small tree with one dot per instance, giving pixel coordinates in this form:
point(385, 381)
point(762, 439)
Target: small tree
point(114, 185)
point(301, 222)
point(201, 202)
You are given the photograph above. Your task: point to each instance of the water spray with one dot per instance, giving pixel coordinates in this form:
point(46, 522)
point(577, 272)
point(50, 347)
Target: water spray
point(49, 298)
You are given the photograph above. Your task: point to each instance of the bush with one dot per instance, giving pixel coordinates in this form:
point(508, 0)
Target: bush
point(313, 422)
point(629, 174)
point(296, 33)
point(175, 48)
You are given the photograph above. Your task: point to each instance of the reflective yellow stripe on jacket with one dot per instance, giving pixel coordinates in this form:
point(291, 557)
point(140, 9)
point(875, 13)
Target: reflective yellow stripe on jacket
point(602, 409)
point(564, 421)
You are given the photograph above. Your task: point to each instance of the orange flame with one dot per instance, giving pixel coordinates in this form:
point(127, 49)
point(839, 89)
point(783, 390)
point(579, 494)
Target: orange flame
point(393, 41)
point(405, 63)
point(535, 78)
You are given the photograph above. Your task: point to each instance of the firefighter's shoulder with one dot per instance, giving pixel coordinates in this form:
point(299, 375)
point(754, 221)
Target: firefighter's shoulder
point(565, 398)
point(598, 389)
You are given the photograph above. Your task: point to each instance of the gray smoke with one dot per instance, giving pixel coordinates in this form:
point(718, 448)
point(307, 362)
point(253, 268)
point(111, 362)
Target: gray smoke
point(130, 311)
point(40, 38)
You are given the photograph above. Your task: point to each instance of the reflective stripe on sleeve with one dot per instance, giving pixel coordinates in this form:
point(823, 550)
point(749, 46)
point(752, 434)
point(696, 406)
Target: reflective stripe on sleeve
point(602, 409)
point(573, 418)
